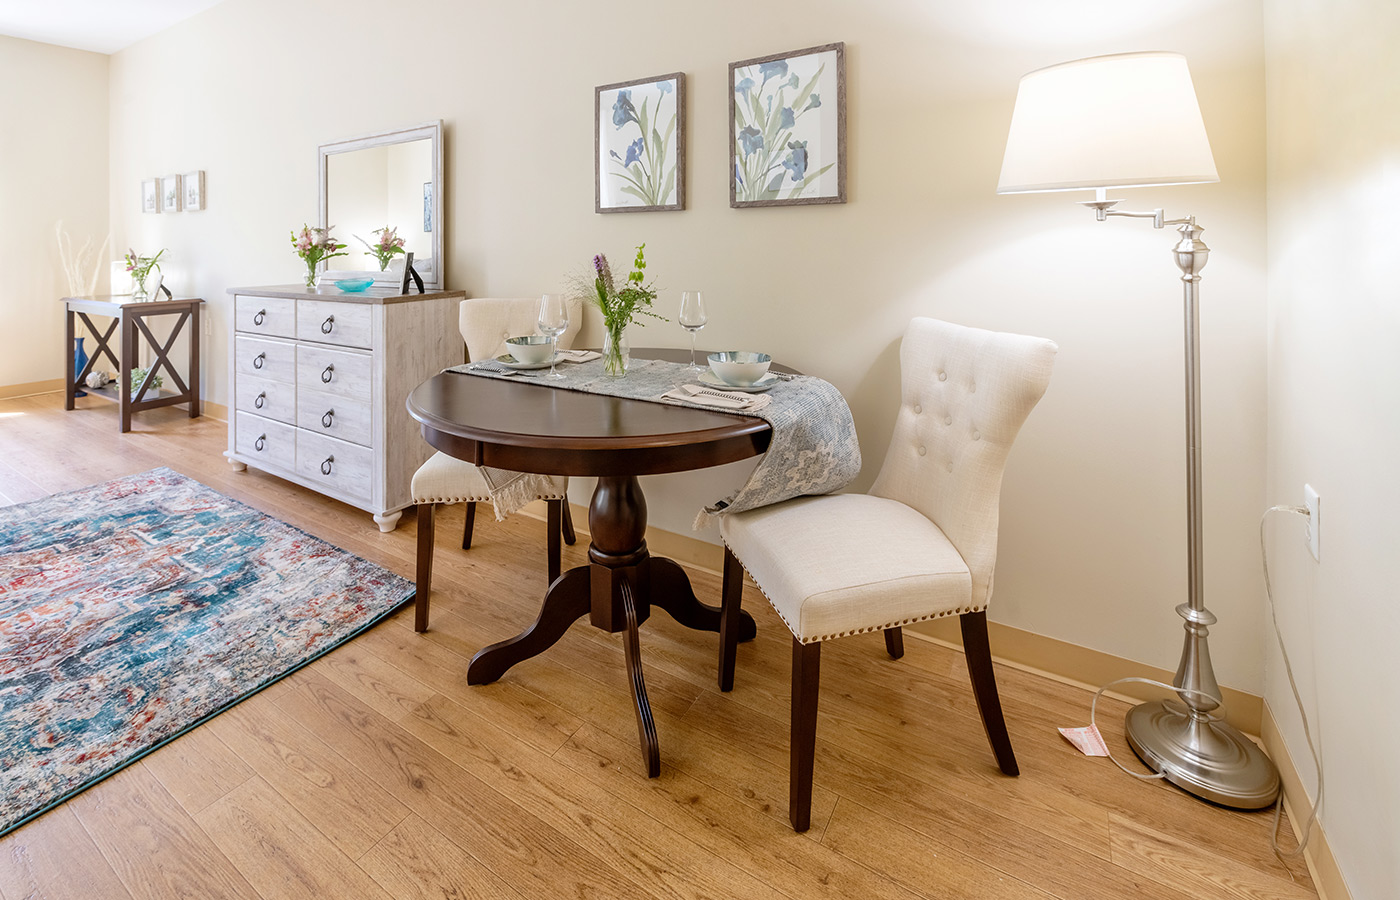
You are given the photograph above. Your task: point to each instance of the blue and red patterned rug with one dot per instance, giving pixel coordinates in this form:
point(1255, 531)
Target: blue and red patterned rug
point(135, 609)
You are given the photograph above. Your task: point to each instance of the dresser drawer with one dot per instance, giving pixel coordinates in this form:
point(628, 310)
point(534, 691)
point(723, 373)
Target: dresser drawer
point(345, 324)
point(265, 315)
point(329, 464)
point(270, 399)
point(340, 417)
point(344, 373)
point(263, 439)
point(271, 360)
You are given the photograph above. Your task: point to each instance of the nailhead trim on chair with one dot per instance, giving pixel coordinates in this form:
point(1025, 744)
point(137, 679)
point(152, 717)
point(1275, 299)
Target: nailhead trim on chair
point(484, 498)
point(826, 637)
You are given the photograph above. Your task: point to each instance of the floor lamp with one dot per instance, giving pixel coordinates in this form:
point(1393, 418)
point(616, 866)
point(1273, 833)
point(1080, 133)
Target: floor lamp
point(1131, 120)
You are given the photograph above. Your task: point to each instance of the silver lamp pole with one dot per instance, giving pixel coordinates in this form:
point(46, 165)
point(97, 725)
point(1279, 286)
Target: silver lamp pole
point(1187, 741)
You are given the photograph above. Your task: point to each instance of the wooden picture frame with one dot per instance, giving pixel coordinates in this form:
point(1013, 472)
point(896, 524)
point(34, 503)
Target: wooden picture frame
point(170, 193)
point(192, 187)
point(783, 154)
point(150, 195)
point(638, 156)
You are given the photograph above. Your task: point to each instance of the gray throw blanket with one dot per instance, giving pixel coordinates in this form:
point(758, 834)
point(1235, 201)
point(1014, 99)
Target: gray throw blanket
point(814, 449)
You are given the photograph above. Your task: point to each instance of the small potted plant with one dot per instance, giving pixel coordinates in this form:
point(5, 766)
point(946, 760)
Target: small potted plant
point(315, 246)
point(140, 268)
point(385, 247)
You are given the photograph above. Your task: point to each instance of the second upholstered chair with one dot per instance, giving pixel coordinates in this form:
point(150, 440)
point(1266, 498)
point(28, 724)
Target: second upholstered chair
point(485, 323)
point(921, 544)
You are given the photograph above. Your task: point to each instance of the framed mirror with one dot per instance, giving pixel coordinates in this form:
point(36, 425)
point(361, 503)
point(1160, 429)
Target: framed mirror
point(388, 180)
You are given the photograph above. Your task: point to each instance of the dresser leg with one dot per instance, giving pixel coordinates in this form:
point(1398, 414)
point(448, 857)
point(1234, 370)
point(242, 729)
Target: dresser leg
point(237, 466)
point(389, 521)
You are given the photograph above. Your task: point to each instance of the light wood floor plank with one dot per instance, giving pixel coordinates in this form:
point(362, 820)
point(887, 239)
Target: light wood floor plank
point(344, 804)
point(415, 862)
point(197, 769)
point(155, 847)
point(54, 858)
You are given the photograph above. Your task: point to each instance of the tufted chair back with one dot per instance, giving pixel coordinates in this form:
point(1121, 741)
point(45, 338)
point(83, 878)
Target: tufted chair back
point(486, 322)
point(965, 393)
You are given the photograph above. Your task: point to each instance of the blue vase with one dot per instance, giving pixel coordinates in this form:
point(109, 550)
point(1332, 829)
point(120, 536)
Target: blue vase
point(79, 360)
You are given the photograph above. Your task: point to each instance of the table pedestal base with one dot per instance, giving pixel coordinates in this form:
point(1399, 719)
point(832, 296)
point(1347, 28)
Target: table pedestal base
point(616, 590)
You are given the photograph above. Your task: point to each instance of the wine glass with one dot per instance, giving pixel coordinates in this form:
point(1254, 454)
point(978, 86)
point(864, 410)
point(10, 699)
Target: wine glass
point(554, 321)
point(692, 319)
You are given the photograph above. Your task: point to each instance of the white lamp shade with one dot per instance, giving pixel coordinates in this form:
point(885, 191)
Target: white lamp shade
point(1127, 120)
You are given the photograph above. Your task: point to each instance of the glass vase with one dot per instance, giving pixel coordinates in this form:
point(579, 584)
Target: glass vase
point(616, 357)
point(311, 276)
point(138, 287)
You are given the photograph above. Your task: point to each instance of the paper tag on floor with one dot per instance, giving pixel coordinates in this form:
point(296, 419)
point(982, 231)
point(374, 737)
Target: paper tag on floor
point(1087, 739)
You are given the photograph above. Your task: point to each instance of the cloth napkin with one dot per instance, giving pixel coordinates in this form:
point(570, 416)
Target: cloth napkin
point(738, 401)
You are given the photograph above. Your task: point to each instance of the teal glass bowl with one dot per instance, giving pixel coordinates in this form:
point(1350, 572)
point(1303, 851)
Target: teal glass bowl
point(354, 285)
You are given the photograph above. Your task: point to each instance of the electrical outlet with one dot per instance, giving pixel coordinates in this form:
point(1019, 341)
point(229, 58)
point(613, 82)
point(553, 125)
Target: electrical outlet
point(1314, 504)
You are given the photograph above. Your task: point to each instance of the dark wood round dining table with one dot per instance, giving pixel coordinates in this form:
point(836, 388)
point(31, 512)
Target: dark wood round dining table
point(527, 425)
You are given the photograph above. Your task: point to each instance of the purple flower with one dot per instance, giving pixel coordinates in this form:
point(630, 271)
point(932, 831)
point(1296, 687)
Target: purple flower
point(634, 153)
point(750, 140)
point(623, 110)
point(776, 69)
point(796, 161)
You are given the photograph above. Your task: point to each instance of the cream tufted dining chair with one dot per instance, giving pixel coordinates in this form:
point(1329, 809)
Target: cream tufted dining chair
point(922, 544)
point(485, 323)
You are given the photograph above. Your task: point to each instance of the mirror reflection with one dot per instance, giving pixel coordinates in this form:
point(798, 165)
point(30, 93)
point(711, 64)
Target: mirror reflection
point(377, 188)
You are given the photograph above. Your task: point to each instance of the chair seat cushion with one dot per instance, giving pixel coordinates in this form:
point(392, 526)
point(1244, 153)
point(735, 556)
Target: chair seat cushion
point(846, 563)
point(446, 479)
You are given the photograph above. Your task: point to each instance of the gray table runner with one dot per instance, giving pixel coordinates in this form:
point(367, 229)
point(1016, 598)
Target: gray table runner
point(814, 449)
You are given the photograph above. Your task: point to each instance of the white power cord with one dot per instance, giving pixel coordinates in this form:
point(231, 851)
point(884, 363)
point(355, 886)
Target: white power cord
point(1292, 683)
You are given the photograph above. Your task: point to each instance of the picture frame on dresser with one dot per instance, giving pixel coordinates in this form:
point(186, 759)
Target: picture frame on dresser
point(319, 382)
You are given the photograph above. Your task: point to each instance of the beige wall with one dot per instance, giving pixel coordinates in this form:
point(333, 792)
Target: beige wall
point(1334, 391)
point(53, 166)
point(1093, 543)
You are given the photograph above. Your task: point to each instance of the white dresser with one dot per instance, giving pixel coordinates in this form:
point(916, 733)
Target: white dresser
point(319, 381)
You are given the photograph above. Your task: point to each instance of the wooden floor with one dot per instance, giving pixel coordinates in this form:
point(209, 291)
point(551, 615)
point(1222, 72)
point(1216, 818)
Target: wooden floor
point(378, 773)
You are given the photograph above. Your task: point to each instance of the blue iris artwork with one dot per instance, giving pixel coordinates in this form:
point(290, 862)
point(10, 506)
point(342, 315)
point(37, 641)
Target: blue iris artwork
point(638, 140)
point(785, 142)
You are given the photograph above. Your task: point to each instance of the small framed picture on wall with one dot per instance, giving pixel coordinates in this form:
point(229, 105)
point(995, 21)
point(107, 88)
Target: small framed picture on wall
point(150, 195)
point(170, 193)
point(639, 145)
point(193, 185)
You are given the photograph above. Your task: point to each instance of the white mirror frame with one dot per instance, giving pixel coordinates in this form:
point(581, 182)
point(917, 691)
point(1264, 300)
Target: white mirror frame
point(433, 277)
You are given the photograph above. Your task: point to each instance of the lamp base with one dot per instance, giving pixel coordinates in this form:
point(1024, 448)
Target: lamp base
point(1202, 755)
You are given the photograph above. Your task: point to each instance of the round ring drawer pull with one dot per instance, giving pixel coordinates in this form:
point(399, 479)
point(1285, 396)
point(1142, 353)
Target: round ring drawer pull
point(327, 373)
point(258, 401)
point(258, 360)
point(328, 325)
point(259, 317)
point(260, 443)
point(326, 465)
point(326, 419)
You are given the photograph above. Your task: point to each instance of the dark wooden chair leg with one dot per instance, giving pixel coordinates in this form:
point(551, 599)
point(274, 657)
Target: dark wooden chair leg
point(894, 642)
point(806, 678)
point(984, 687)
point(731, 596)
point(425, 566)
point(467, 529)
point(554, 525)
point(569, 536)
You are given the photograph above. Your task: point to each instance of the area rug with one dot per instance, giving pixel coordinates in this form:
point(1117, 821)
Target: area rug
point(133, 610)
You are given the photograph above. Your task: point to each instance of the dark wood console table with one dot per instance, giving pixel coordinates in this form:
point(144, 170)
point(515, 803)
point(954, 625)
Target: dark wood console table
point(532, 427)
point(129, 323)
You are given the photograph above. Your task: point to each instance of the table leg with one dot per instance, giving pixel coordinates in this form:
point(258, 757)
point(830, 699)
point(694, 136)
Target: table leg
point(646, 725)
point(671, 590)
point(128, 353)
point(195, 339)
point(566, 602)
point(68, 337)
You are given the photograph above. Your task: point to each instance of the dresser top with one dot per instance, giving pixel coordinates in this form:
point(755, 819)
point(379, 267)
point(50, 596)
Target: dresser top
point(375, 295)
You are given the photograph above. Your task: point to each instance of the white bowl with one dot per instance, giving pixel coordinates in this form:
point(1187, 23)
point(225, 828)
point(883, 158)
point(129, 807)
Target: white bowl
point(530, 348)
point(740, 368)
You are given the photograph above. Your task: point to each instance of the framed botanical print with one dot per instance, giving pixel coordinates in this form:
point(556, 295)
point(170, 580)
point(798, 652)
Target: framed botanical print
point(150, 195)
point(193, 185)
point(639, 145)
point(170, 193)
point(787, 128)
